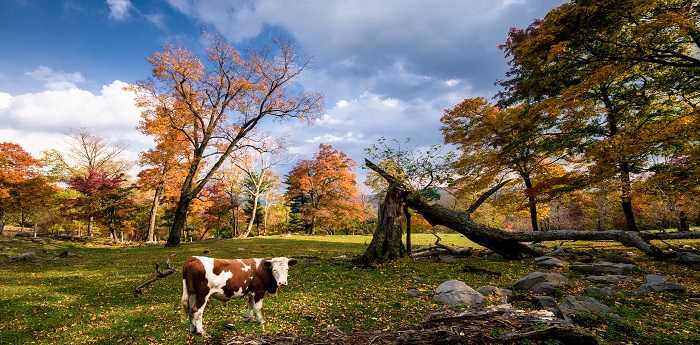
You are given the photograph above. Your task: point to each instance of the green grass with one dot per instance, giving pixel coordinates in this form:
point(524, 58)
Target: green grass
point(88, 298)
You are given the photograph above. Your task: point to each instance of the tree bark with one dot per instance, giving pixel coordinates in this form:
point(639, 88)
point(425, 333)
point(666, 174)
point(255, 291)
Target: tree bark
point(407, 215)
point(2, 220)
point(90, 223)
point(626, 189)
point(386, 242)
point(531, 202)
point(179, 221)
point(253, 215)
point(508, 244)
point(154, 214)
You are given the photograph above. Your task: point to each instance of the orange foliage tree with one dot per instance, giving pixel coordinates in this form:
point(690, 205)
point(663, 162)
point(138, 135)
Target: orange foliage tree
point(325, 189)
point(216, 103)
point(16, 167)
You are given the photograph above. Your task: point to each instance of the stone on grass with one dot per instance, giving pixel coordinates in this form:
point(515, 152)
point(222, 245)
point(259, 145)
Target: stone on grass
point(489, 290)
point(688, 258)
point(456, 293)
point(607, 279)
point(607, 291)
point(578, 305)
point(447, 259)
point(604, 267)
point(540, 282)
point(24, 257)
point(657, 283)
point(547, 302)
point(549, 261)
point(413, 292)
point(39, 240)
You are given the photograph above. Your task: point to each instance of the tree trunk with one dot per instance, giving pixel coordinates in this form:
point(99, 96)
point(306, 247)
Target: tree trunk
point(407, 215)
point(626, 189)
point(2, 220)
point(507, 244)
point(253, 215)
point(683, 222)
point(89, 229)
point(386, 242)
point(531, 202)
point(154, 214)
point(179, 221)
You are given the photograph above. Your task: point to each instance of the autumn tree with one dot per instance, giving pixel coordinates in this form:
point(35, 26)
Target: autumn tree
point(256, 166)
point(102, 195)
point(216, 103)
point(609, 70)
point(163, 168)
point(16, 168)
point(496, 142)
point(325, 187)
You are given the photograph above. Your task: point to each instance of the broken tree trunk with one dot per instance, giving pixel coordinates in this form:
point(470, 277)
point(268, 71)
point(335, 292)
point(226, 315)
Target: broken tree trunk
point(440, 249)
point(158, 275)
point(508, 244)
point(386, 242)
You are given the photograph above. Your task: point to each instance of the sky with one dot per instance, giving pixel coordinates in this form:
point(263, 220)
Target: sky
point(385, 68)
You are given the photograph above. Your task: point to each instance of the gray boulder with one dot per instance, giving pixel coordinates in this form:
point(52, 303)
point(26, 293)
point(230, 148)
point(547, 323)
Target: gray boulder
point(547, 302)
point(540, 282)
point(456, 293)
point(607, 279)
point(549, 261)
point(657, 283)
point(447, 259)
point(578, 305)
point(604, 267)
point(688, 258)
point(489, 290)
point(607, 291)
point(413, 292)
point(24, 257)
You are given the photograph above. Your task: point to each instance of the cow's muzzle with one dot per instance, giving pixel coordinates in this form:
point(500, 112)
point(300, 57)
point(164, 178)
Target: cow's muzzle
point(280, 284)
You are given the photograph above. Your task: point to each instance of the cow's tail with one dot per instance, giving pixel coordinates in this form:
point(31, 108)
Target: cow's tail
point(185, 297)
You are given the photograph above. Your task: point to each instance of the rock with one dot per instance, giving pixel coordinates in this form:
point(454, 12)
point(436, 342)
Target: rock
point(617, 258)
point(447, 259)
point(489, 290)
point(456, 293)
point(39, 240)
point(413, 292)
point(65, 254)
point(607, 279)
point(604, 267)
point(540, 282)
point(577, 305)
point(24, 257)
point(688, 258)
point(549, 261)
point(657, 283)
point(607, 291)
point(547, 302)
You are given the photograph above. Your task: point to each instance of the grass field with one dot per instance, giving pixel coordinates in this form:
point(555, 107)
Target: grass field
point(88, 298)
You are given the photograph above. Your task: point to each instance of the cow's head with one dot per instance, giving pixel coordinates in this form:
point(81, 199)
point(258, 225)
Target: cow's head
point(280, 268)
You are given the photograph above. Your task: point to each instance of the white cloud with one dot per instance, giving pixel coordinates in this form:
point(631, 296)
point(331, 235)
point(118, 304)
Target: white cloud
point(42, 120)
point(348, 137)
point(452, 82)
point(119, 9)
point(56, 80)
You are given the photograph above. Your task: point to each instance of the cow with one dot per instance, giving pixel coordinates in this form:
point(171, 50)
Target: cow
point(204, 277)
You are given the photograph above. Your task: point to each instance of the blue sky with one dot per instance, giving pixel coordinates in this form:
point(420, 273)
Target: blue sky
point(385, 68)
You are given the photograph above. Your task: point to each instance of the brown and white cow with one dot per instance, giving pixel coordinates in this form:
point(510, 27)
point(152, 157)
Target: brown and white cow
point(204, 277)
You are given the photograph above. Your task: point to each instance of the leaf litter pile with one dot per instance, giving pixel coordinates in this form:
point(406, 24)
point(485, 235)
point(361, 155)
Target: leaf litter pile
point(501, 324)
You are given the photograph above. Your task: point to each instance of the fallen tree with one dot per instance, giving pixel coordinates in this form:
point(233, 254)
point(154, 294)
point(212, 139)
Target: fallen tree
point(440, 249)
point(159, 274)
point(510, 244)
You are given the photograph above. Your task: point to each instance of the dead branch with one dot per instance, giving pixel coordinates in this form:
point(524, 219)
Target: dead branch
point(159, 274)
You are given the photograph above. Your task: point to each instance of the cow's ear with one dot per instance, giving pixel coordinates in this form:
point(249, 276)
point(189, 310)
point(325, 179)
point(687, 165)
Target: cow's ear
point(267, 263)
point(292, 262)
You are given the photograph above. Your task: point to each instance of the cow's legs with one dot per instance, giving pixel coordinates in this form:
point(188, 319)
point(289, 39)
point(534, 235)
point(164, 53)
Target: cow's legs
point(257, 307)
point(197, 325)
point(250, 314)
